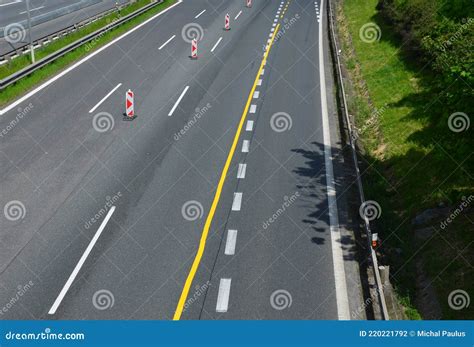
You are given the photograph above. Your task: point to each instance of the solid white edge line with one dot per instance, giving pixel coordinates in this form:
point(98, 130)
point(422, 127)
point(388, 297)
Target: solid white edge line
point(342, 300)
point(238, 15)
point(223, 296)
point(164, 44)
point(82, 61)
point(178, 101)
point(230, 242)
point(81, 262)
point(105, 98)
point(199, 14)
point(237, 203)
point(217, 44)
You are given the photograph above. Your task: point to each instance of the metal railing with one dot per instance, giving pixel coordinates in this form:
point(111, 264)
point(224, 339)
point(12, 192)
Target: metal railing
point(15, 77)
point(352, 140)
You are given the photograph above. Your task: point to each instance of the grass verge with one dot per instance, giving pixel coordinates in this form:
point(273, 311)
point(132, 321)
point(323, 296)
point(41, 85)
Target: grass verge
point(49, 70)
point(412, 162)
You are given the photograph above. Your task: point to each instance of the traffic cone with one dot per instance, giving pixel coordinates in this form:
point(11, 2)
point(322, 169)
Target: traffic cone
point(129, 106)
point(227, 22)
point(194, 49)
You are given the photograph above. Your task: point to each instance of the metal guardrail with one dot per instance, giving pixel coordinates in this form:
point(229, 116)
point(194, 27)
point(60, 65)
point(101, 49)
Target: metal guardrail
point(18, 51)
point(352, 140)
point(15, 77)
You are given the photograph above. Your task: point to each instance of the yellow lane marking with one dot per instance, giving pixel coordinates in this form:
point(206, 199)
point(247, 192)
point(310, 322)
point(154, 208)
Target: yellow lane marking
point(215, 202)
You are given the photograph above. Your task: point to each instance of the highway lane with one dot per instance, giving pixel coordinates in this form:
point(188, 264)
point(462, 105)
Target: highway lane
point(64, 172)
point(14, 11)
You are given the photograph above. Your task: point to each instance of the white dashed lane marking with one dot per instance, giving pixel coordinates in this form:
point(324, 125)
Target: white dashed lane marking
point(237, 203)
point(241, 171)
point(230, 243)
point(105, 98)
point(249, 126)
point(199, 14)
point(164, 44)
point(217, 44)
point(223, 296)
point(179, 100)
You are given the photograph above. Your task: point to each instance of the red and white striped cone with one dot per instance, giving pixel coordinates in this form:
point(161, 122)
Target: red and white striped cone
point(249, 3)
point(194, 49)
point(129, 105)
point(227, 22)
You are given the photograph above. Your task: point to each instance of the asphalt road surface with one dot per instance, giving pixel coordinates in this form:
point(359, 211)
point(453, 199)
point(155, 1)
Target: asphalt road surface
point(14, 11)
point(223, 199)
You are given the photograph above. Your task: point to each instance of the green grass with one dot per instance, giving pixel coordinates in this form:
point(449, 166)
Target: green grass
point(412, 160)
point(49, 70)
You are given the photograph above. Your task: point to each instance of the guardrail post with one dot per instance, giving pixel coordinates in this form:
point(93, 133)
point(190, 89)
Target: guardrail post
point(32, 49)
